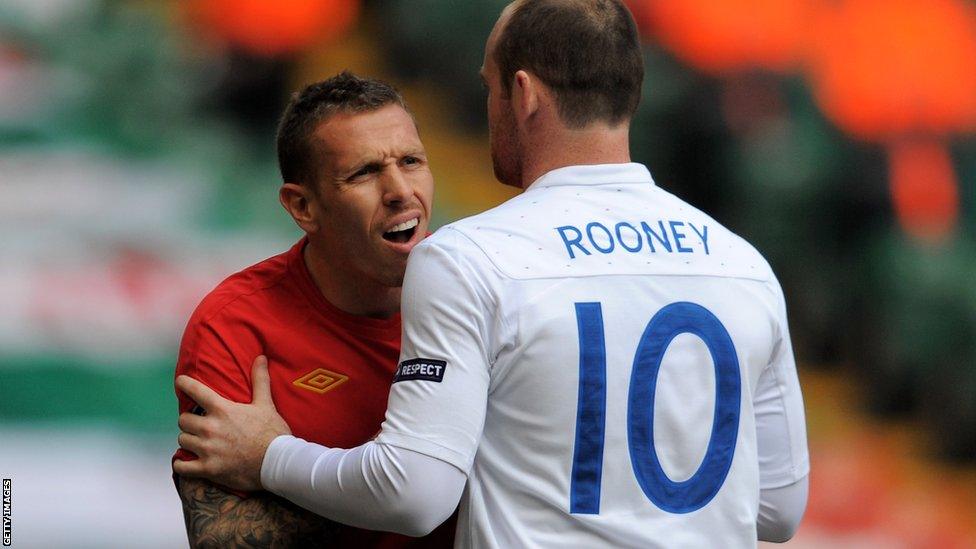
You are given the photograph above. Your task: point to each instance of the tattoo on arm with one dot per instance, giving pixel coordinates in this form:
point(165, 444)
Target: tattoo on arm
point(216, 518)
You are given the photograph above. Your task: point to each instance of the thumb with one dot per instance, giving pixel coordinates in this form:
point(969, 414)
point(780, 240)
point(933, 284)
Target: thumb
point(261, 382)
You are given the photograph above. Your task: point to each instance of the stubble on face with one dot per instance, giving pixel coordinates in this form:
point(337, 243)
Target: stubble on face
point(506, 150)
point(353, 210)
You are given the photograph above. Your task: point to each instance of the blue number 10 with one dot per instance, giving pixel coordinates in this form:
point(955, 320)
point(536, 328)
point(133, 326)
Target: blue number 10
point(670, 322)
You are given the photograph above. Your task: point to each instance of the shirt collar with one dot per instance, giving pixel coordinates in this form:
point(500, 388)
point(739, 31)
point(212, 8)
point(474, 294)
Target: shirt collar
point(597, 174)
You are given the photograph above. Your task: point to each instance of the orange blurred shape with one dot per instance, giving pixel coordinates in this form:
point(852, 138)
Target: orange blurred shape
point(923, 189)
point(888, 67)
point(850, 490)
point(273, 27)
point(722, 36)
point(924, 519)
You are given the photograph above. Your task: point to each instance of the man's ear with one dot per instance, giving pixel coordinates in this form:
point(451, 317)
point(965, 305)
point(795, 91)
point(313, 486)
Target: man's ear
point(525, 96)
point(297, 201)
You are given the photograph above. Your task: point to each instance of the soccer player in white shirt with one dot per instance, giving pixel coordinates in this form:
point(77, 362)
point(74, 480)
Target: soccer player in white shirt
point(596, 363)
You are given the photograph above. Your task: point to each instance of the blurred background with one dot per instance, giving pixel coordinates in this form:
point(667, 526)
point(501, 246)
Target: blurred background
point(137, 170)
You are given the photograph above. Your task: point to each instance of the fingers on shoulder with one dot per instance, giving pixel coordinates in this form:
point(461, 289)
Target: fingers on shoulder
point(206, 397)
point(193, 424)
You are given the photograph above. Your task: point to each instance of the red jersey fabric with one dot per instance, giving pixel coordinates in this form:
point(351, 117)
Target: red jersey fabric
point(330, 370)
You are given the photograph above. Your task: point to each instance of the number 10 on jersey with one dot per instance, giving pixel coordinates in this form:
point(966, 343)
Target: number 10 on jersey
point(671, 321)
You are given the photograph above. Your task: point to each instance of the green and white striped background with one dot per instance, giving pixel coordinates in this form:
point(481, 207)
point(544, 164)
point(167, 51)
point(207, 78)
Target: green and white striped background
point(101, 263)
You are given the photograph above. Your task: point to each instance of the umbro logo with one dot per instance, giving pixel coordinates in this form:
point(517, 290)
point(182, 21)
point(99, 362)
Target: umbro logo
point(320, 380)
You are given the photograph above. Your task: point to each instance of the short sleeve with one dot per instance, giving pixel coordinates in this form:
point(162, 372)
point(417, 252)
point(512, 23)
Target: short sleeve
point(778, 403)
point(205, 355)
point(444, 308)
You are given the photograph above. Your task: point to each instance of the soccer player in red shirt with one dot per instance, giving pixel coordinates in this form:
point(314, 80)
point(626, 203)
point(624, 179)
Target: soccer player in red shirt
point(325, 313)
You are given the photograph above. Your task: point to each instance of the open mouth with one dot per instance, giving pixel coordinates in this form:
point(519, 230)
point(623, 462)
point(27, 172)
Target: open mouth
point(403, 232)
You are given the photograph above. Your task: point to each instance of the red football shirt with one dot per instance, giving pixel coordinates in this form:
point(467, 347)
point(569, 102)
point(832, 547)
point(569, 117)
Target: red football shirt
point(330, 370)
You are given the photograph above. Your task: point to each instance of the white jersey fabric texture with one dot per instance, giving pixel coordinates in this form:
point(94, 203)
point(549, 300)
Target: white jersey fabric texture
point(609, 365)
point(373, 486)
point(518, 299)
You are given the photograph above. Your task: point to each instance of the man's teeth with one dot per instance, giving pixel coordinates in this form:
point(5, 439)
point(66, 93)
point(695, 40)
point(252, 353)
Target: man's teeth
point(404, 226)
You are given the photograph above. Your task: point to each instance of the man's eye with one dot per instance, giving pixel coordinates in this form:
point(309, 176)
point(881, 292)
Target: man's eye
point(363, 172)
point(410, 160)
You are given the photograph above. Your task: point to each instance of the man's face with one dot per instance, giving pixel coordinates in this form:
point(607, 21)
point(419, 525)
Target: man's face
point(505, 149)
point(374, 193)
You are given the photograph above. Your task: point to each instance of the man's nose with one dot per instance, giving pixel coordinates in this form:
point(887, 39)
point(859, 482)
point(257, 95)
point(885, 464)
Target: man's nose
point(396, 187)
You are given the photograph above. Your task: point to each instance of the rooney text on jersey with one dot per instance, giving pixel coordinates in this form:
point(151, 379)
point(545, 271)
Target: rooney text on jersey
point(670, 236)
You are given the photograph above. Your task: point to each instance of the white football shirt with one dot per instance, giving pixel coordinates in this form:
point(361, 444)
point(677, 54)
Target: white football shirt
point(610, 365)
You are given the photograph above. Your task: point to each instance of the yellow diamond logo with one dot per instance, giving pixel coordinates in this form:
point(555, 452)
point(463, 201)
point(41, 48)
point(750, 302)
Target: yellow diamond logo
point(320, 380)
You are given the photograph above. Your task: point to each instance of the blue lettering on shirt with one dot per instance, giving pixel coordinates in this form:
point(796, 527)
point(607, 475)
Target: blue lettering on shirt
point(572, 242)
point(606, 231)
point(703, 234)
point(620, 237)
point(678, 236)
point(663, 236)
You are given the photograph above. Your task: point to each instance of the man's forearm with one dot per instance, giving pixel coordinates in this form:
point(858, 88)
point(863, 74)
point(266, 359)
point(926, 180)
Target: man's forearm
point(373, 486)
point(216, 518)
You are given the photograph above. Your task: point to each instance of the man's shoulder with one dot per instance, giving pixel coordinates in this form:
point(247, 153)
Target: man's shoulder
point(501, 214)
point(734, 249)
point(224, 320)
point(244, 288)
point(467, 234)
point(609, 229)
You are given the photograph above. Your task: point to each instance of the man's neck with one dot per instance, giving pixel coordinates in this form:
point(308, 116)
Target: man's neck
point(596, 144)
point(352, 294)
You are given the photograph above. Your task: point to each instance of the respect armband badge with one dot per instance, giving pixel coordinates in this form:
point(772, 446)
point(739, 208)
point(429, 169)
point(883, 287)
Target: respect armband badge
point(425, 369)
